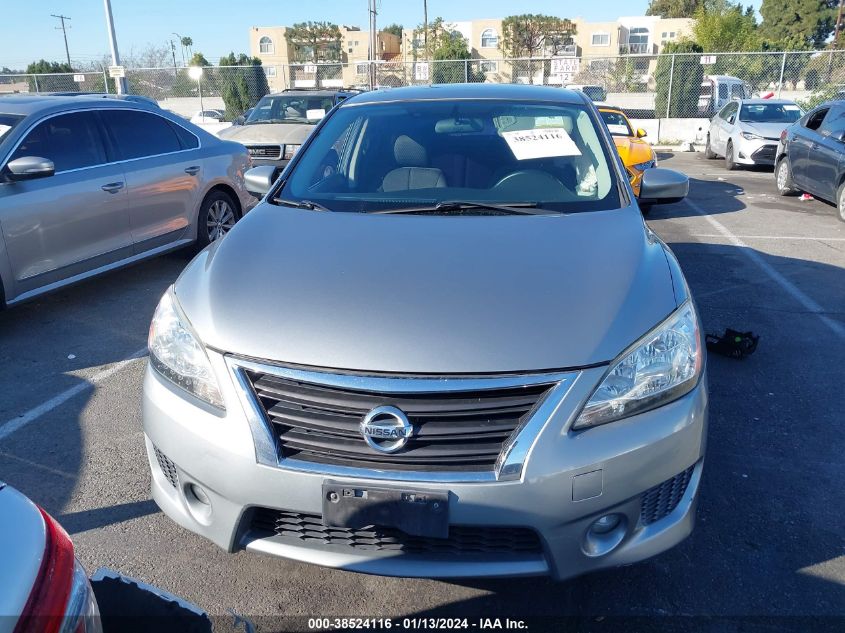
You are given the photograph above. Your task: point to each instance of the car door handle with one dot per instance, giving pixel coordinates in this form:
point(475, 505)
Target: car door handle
point(112, 187)
point(193, 170)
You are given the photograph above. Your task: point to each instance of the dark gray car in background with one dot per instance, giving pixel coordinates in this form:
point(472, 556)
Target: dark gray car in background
point(89, 184)
point(459, 350)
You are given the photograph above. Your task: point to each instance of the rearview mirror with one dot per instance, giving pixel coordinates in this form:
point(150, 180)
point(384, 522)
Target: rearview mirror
point(259, 180)
point(30, 167)
point(641, 133)
point(663, 186)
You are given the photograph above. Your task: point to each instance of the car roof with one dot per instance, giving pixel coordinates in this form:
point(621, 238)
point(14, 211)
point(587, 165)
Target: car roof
point(761, 101)
point(39, 104)
point(516, 92)
point(313, 92)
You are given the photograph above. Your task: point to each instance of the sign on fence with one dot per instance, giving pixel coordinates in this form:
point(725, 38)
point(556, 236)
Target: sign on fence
point(421, 71)
point(79, 78)
point(708, 59)
point(117, 72)
point(564, 69)
point(310, 69)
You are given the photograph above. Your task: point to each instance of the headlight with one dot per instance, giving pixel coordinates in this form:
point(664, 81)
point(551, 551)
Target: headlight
point(750, 136)
point(177, 354)
point(643, 166)
point(661, 367)
point(290, 150)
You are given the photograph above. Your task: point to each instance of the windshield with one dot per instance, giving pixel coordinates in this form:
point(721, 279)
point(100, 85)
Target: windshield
point(770, 113)
point(616, 123)
point(8, 122)
point(290, 108)
point(388, 156)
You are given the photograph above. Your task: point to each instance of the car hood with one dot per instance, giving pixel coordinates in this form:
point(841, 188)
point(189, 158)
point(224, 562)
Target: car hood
point(429, 294)
point(767, 130)
point(276, 133)
point(633, 151)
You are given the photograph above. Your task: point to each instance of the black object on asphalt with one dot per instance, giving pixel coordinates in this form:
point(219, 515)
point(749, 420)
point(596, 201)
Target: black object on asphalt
point(732, 343)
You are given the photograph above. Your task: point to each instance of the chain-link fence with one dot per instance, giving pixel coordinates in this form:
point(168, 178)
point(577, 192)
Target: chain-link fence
point(647, 86)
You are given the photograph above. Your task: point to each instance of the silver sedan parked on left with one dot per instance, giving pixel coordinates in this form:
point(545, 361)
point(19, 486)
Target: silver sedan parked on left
point(747, 131)
point(90, 184)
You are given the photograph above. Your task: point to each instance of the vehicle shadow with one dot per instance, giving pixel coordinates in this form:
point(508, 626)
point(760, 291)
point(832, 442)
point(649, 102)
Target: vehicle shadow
point(50, 350)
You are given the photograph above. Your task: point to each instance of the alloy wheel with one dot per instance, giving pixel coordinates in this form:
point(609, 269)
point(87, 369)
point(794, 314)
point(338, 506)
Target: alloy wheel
point(782, 175)
point(220, 219)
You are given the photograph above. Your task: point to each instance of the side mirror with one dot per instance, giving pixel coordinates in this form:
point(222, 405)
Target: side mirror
point(838, 136)
point(663, 186)
point(641, 133)
point(259, 180)
point(30, 168)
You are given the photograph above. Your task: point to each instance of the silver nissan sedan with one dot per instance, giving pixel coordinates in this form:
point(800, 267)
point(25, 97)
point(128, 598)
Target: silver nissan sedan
point(445, 344)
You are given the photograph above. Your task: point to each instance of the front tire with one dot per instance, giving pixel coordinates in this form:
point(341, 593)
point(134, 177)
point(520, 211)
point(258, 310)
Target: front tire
point(709, 154)
point(783, 178)
point(840, 205)
point(217, 216)
point(730, 164)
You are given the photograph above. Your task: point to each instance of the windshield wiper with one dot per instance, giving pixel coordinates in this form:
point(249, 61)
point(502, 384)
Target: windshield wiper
point(301, 204)
point(447, 206)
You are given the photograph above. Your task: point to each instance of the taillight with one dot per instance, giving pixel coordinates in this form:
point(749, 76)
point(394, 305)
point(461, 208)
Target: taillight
point(45, 610)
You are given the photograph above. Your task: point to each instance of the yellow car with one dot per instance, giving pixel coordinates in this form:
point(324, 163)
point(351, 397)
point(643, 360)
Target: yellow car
point(636, 154)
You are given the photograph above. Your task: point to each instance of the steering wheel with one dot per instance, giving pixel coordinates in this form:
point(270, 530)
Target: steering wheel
point(530, 180)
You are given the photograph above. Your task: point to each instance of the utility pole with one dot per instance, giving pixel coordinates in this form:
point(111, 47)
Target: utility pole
point(120, 82)
point(838, 23)
point(64, 32)
point(179, 37)
point(373, 43)
point(173, 52)
point(425, 28)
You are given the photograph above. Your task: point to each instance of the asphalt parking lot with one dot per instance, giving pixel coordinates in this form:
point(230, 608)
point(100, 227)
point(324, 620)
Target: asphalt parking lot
point(770, 539)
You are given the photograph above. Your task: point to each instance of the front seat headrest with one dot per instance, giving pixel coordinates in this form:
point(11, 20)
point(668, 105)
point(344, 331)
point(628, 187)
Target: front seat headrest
point(409, 153)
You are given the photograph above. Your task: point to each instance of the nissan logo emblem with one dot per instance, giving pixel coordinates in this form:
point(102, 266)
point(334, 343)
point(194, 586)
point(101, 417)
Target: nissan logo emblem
point(386, 429)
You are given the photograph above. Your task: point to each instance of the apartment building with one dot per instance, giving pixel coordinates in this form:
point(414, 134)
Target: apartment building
point(331, 65)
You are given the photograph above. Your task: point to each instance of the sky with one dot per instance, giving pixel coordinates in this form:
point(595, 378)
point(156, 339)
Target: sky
point(28, 32)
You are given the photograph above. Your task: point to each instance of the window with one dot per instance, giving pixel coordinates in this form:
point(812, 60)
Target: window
point(834, 122)
point(638, 40)
point(139, 134)
point(265, 45)
point(186, 139)
point(489, 67)
point(617, 123)
point(770, 113)
point(271, 71)
point(723, 91)
point(737, 91)
point(814, 119)
point(8, 123)
point(288, 108)
point(489, 38)
point(728, 113)
point(601, 39)
point(664, 36)
point(71, 141)
point(410, 154)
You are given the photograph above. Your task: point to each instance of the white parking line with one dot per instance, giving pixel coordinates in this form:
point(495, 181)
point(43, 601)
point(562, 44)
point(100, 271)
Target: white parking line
point(773, 237)
point(809, 304)
point(10, 426)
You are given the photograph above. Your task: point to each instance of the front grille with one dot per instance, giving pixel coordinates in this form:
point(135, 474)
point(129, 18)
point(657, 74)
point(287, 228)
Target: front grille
point(453, 431)
point(264, 151)
point(767, 152)
point(168, 468)
point(659, 501)
point(463, 540)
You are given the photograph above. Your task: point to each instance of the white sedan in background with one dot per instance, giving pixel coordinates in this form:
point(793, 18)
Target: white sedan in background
point(747, 131)
point(207, 116)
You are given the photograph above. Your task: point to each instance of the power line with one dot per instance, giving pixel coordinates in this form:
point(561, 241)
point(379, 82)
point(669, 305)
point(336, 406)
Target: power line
point(64, 32)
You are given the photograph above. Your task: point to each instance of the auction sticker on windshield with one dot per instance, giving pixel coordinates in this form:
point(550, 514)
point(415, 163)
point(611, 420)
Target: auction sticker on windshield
point(541, 143)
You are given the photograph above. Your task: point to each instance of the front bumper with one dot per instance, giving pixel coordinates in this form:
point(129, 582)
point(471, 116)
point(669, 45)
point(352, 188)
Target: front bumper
point(622, 461)
point(755, 151)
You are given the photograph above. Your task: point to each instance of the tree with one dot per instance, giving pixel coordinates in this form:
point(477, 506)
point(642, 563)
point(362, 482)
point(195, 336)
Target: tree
point(440, 35)
point(721, 26)
point(798, 24)
point(242, 83)
point(674, 8)
point(47, 82)
point(535, 35)
point(315, 41)
point(198, 59)
point(452, 65)
point(685, 79)
point(393, 29)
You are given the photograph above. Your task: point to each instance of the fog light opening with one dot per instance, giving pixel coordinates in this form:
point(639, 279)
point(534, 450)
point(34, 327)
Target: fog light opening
point(605, 534)
point(198, 502)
